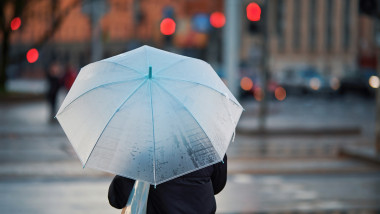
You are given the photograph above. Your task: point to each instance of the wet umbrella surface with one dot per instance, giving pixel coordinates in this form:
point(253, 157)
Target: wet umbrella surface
point(149, 115)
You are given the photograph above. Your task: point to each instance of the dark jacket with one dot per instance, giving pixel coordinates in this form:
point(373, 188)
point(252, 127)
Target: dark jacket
point(190, 193)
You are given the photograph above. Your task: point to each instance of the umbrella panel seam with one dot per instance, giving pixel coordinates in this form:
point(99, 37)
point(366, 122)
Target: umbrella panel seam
point(124, 66)
point(97, 87)
point(176, 99)
point(197, 83)
point(117, 110)
point(171, 65)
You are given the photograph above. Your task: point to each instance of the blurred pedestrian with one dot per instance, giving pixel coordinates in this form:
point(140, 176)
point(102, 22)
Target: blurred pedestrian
point(69, 77)
point(55, 80)
point(190, 193)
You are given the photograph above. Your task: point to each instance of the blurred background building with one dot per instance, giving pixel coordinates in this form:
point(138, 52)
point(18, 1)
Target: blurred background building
point(328, 37)
point(124, 24)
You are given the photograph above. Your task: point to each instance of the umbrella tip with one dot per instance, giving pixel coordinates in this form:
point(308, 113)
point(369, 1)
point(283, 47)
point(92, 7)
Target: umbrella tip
point(150, 72)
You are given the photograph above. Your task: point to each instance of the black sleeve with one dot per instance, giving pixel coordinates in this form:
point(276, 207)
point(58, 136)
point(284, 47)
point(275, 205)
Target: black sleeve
point(219, 176)
point(119, 191)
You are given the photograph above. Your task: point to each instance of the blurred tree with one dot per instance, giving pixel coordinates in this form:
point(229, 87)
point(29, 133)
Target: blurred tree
point(17, 8)
point(10, 9)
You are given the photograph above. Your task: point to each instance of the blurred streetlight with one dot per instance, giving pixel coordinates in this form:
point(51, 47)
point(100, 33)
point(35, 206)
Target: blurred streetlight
point(217, 19)
point(15, 23)
point(280, 93)
point(315, 83)
point(32, 55)
point(246, 83)
point(95, 9)
point(258, 25)
point(253, 12)
point(334, 83)
point(258, 94)
point(374, 82)
point(231, 35)
point(167, 26)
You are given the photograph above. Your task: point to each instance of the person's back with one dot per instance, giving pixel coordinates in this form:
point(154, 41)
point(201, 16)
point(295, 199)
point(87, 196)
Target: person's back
point(190, 193)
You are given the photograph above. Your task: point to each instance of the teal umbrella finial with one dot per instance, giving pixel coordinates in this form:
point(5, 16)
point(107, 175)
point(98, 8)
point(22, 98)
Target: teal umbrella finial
point(150, 72)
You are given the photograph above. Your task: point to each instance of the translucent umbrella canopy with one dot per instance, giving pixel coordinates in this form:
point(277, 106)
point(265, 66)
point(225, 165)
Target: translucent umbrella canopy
point(149, 115)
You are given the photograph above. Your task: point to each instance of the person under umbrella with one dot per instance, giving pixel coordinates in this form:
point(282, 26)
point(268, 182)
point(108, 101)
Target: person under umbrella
point(190, 193)
point(158, 118)
point(54, 77)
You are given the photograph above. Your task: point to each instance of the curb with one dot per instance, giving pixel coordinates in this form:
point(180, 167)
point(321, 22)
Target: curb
point(342, 165)
point(361, 153)
point(302, 131)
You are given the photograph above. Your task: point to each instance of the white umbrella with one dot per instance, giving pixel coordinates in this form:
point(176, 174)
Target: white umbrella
point(149, 115)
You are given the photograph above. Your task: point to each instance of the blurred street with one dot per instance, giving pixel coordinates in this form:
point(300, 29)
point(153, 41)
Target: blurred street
point(307, 74)
point(282, 172)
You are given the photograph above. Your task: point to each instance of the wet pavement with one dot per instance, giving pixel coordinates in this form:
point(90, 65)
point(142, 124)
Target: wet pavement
point(244, 193)
point(267, 173)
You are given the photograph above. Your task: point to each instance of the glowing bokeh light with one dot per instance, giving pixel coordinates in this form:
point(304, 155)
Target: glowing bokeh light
point(253, 12)
point(280, 93)
point(258, 94)
point(335, 83)
point(200, 23)
point(246, 83)
point(315, 83)
point(374, 82)
point(167, 26)
point(32, 55)
point(217, 19)
point(15, 23)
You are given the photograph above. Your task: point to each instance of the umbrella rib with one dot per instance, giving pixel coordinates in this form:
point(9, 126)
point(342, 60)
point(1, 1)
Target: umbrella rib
point(151, 107)
point(154, 142)
point(176, 99)
point(197, 83)
point(99, 86)
point(171, 65)
point(117, 110)
point(115, 63)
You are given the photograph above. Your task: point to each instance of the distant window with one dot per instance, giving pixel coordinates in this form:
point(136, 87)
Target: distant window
point(312, 24)
point(346, 24)
point(280, 23)
point(297, 24)
point(329, 24)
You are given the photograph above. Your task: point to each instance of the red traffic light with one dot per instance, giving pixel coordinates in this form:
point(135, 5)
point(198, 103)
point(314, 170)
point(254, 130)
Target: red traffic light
point(167, 26)
point(32, 55)
point(15, 23)
point(217, 19)
point(253, 12)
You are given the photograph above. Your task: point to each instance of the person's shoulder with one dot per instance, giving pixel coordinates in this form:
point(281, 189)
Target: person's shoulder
point(203, 172)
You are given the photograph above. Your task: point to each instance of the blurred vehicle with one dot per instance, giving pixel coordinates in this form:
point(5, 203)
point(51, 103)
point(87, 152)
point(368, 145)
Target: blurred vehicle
point(363, 82)
point(252, 86)
point(308, 80)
